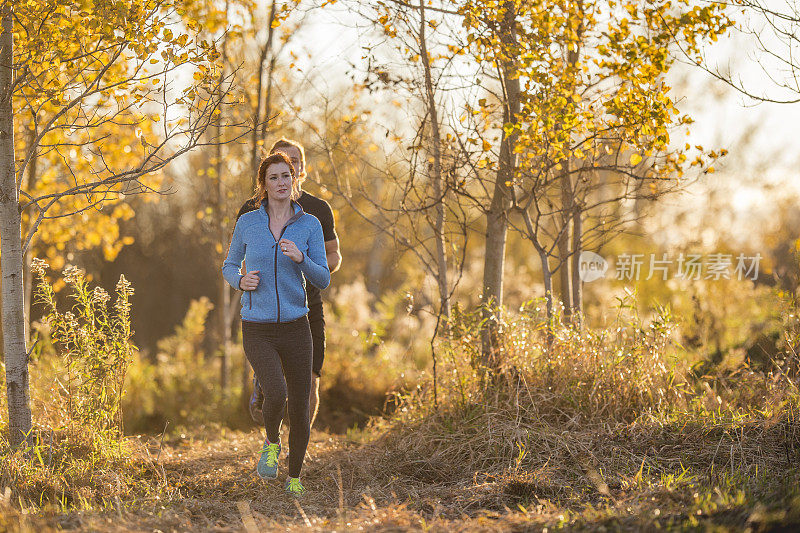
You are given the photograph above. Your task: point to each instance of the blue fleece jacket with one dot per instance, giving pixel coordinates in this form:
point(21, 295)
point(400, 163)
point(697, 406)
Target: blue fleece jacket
point(280, 295)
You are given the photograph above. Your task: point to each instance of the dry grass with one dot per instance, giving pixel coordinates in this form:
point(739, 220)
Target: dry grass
point(411, 478)
point(604, 431)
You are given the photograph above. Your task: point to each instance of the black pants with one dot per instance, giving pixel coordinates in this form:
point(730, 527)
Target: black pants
point(280, 355)
point(316, 318)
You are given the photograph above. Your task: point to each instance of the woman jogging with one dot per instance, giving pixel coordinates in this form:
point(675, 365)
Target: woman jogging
point(287, 245)
point(318, 207)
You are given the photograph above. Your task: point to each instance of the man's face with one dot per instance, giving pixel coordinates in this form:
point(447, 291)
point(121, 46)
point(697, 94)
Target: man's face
point(294, 155)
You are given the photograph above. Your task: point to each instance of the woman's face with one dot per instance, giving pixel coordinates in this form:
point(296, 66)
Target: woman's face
point(279, 181)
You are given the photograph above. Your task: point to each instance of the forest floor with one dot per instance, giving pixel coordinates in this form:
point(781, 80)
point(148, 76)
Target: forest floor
point(206, 482)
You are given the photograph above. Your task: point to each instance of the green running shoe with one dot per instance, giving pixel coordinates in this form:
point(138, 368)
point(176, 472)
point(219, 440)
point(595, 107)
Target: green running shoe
point(294, 487)
point(267, 467)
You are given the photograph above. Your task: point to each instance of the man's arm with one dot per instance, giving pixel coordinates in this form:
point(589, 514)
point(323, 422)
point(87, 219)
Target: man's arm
point(333, 255)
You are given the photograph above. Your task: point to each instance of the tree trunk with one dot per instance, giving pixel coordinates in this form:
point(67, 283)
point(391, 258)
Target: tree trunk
point(547, 276)
point(223, 312)
point(265, 50)
point(223, 316)
point(496, 217)
point(441, 253)
point(11, 261)
point(570, 284)
point(563, 243)
point(577, 287)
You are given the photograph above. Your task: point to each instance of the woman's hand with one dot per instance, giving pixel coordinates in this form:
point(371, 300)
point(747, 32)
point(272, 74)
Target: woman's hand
point(249, 281)
point(290, 250)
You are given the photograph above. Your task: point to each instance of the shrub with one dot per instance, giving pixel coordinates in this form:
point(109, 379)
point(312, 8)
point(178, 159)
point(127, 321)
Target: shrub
point(596, 415)
point(179, 386)
point(94, 348)
point(76, 455)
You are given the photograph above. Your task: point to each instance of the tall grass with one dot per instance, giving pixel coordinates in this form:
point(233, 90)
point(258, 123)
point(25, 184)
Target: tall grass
point(609, 418)
point(76, 455)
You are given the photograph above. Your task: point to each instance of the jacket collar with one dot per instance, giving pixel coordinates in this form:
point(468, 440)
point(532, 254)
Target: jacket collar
point(298, 211)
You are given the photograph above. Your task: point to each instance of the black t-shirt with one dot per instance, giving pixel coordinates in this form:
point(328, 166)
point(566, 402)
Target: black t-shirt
point(310, 204)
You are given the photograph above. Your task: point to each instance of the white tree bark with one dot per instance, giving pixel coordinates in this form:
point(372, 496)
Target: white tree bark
point(11, 261)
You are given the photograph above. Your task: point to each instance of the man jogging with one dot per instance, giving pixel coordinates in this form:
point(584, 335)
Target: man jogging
point(322, 210)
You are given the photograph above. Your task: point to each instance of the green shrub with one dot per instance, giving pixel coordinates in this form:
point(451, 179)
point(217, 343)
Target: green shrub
point(92, 349)
point(76, 454)
point(179, 386)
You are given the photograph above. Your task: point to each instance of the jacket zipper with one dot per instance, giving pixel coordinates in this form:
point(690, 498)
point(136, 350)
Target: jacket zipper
point(277, 296)
point(275, 265)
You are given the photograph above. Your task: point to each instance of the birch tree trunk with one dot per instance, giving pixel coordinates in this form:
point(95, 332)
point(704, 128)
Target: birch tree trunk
point(223, 317)
point(265, 50)
point(497, 215)
point(11, 261)
point(568, 211)
point(224, 293)
point(547, 275)
point(572, 209)
point(565, 292)
point(577, 287)
point(436, 178)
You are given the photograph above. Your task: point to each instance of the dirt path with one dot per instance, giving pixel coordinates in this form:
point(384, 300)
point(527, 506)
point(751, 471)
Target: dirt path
point(207, 482)
point(216, 488)
point(211, 485)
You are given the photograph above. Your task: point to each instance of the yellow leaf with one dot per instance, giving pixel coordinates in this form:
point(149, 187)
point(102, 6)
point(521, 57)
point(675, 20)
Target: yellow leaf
point(635, 159)
point(487, 145)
